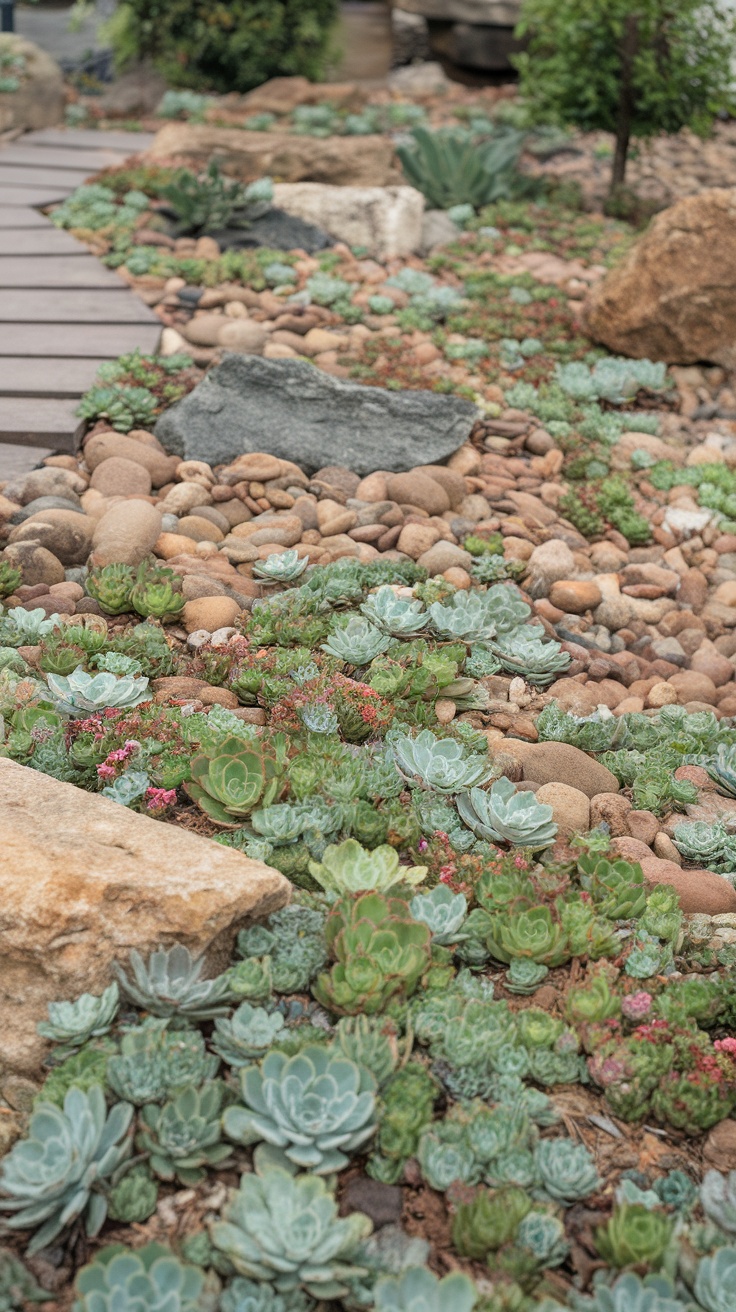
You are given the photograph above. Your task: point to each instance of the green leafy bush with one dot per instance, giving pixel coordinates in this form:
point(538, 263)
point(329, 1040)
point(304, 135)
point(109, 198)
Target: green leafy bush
point(231, 47)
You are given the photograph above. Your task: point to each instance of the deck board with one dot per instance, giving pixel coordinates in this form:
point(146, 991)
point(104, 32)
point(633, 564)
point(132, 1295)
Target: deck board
point(29, 421)
point(84, 138)
point(77, 270)
point(57, 157)
point(22, 197)
point(46, 241)
point(74, 306)
point(77, 340)
point(19, 175)
point(12, 216)
point(46, 377)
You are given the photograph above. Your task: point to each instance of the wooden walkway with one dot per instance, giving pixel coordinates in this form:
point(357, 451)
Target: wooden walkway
point(62, 312)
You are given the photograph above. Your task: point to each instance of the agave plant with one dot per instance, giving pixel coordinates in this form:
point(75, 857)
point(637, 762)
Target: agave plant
point(419, 1290)
point(715, 1281)
point(439, 763)
point(111, 586)
point(280, 567)
point(234, 779)
point(399, 616)
point(356, 641)
point(284, 1229)
point(348, 868)
point(171, 985)
point(247, 1035)
point(157, 592)
point(73, 1023)
point(84, 694)
point(184, 1136)
point(502, 815)
point(566, 1170)
point(317, 1107)
point(149, 1279)
point(451, 168)
point(50, 1176)
point(380, 951)
point(442, 911)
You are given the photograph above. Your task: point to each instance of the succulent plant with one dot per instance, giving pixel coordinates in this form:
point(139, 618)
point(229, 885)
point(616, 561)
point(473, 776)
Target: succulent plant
point(22, 628)
point(285, 1229)
point(502, 815)
point(718, 1199)
point(566, 1170)
point(684, 1100)
point(697, 840)
point(524, 976)
point(10, 578)
point(721, 768)
point(544, 1236)
point(631, 1293)
point(155, 592)
point(155, 1061)
point(317, 1107)
point(280, 567)
point(149, 1279)
point(348, 868)
point(171, 985)
point(133, 1199)
point(442, 911)
point(465, 616)
point(380, 951)
point(49, 1176)
point(247, 1034)
point(293, 940)
point(373, 1044)
point(73, 1023)
point(83, 694)
point(18, 1288)
point(634, 1235)
point(533, 934)
point(232, 780)
point(488, 1221)
point(183, 1136)
point(406, 1110)
point(716, 1280)
point(439, 763)
point(356, 641)
point(244, 1295)
point(521, 651)
point(399, 616)
point(419, 1290)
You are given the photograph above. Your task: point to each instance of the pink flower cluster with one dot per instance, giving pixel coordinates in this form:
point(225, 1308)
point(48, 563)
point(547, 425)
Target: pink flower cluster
point(107, 770)
point(159, 798)
point(637, 1005)
point(726, 1045)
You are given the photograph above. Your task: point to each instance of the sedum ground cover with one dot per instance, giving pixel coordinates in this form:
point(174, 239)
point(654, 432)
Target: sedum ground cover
point(437, 1079)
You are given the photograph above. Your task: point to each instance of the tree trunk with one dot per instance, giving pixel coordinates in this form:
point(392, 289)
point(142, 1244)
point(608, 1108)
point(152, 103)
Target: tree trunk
point(629, 47)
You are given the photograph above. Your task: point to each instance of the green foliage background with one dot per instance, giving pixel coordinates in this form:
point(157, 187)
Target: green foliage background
point(232, 45)
point(682, 76)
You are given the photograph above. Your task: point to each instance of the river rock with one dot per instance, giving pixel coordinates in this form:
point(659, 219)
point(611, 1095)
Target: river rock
point(126, 533)
point(120, 477)
point(84, 880)
point(561, 763)
point(67, 534)
point(38, 100)
point(299, 413)
point(699, 891)
point(387, 221)
point(103, 446)
point(37, 564)
point(673, 297)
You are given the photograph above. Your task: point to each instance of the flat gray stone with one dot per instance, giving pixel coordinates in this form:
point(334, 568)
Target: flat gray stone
point(293, 410)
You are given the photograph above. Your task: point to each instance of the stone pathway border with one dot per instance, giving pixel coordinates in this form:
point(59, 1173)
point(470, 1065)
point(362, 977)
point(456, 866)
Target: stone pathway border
point(62, 313)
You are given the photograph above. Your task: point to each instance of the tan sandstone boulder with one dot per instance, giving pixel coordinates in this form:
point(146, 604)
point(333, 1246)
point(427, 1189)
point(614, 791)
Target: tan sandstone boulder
point(674, 296)
point(83, 880)
point(342, 161)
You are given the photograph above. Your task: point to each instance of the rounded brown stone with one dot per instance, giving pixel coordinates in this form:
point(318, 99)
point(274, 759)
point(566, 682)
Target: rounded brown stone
point(210, 613)
point(418, 489)
point(119, 477)
point(575, 595)
point(693, 687)
point(698, 891)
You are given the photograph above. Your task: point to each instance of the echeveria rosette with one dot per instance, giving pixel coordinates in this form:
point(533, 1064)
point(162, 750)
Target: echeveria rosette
point(170, 984)
point(401, 617)
point(83, 694)
point(232, 780)
point(73, 1023)
point(348, 867)
point(503, 815)
point(439, 763)
point(635, 1235)
point(151, 1277)
point(49, 1176)
point(380, 951)
point(532, 933)
point(715, 1281)
point(718, 1199)
point(247, 1034)
point(694, 1101)
point(419, 1290)
point(285, 1229)
point(566, 1170)
point(632, 1293)
point(184, 1136)
point(317, 1107)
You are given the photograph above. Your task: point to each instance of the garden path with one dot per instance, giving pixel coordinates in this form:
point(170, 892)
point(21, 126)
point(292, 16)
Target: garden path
point(62, 313)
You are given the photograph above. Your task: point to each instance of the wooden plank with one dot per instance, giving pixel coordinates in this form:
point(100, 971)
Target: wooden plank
point(12, 216)
point(35, 376)
point(66, 307)
point(39, 241)
point(33, 422)
point(77, 341)
point(25, 196)
point(75, 271)
point(60, 157)
point(83, 138)
point(16, 175)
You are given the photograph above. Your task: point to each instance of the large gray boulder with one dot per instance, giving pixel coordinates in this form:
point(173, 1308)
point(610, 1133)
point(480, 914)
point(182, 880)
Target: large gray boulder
point(296, 412)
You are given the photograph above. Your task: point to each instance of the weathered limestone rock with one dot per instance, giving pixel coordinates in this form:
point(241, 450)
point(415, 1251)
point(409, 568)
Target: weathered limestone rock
point(674, 296)
point(342, 161)
point(387, 221)
point(84, 880)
